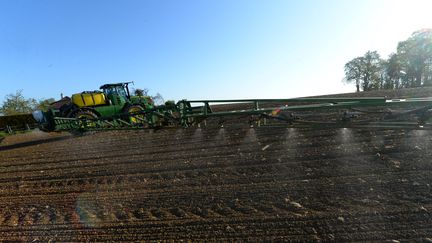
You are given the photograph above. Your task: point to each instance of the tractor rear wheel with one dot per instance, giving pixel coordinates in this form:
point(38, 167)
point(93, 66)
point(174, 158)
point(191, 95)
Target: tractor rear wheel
point(86, 118)
point(136, 115)
point(85, 114)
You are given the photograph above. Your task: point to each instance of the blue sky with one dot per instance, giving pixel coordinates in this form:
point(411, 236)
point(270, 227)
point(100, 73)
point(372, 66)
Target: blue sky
point(196, 49)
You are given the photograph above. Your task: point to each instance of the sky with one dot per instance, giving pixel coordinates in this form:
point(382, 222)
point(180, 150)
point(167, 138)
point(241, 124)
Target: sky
point(196, 49)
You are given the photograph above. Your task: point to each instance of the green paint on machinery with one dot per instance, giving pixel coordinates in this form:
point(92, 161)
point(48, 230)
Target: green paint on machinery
point(113, 100)
point(119, 110)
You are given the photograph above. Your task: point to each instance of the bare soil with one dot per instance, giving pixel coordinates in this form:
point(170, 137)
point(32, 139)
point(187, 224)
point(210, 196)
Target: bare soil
point(218, 184)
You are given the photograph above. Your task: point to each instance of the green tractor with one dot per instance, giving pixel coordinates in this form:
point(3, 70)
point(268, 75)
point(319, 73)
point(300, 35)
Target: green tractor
point(112, 100)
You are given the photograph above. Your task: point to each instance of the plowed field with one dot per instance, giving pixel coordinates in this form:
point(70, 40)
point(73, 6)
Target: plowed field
point(217, 184)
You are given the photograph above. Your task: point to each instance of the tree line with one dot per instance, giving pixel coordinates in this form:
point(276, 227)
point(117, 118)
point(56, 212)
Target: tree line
point(410, 66)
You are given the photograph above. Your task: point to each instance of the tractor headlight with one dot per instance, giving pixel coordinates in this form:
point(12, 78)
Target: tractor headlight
point(38, 116)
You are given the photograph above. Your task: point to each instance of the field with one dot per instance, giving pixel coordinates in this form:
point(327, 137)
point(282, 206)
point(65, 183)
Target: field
point(217, 184)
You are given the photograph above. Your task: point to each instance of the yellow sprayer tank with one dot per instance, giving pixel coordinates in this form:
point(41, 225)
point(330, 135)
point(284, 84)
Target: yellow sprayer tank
point(89, 99)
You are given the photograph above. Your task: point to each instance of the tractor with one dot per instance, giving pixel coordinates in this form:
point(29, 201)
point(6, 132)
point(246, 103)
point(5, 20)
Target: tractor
point(113, 99)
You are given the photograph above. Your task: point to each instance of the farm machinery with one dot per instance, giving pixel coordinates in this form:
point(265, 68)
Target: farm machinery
point(110, 101)
point(114, 108)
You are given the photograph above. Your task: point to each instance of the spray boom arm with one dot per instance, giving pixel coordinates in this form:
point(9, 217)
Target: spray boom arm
point(374, 112)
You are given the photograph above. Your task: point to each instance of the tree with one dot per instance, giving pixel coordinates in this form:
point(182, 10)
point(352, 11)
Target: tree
point(140, 92)
point(44, 104)
point(392, 72)
point(365, 71)
point(410, 66)
point(372, 71)
point(415, 55)
point(157, 99)
point(353, 72)
point(15, 104)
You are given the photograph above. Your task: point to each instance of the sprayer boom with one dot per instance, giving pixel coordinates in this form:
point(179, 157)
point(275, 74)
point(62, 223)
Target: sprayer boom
point(375, 112)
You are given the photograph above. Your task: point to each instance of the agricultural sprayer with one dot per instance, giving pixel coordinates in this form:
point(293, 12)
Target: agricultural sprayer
point(114, 108)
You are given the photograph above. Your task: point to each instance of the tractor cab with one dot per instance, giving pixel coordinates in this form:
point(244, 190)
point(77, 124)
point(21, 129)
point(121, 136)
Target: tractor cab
point(117, 94)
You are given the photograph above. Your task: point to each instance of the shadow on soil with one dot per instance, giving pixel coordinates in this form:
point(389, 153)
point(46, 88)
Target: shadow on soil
point(32, 143)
